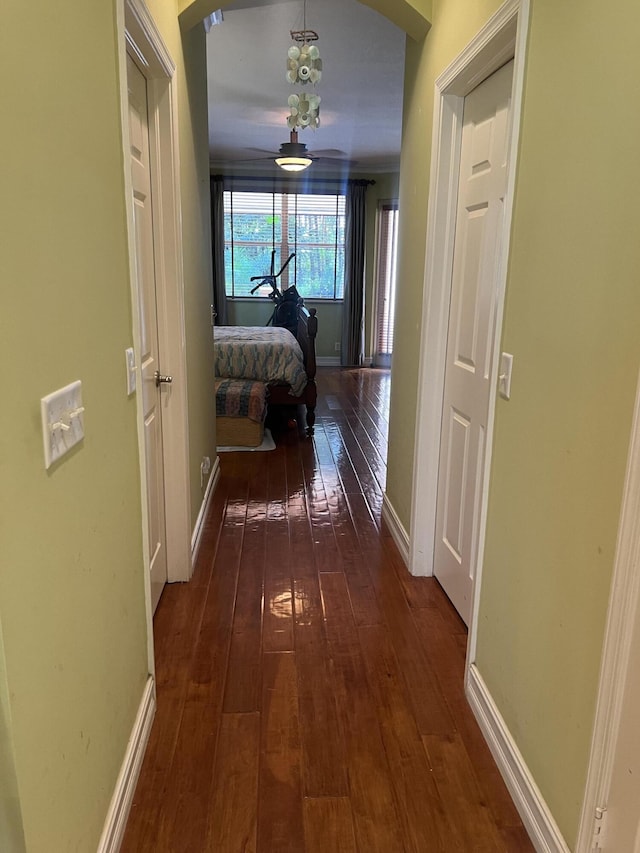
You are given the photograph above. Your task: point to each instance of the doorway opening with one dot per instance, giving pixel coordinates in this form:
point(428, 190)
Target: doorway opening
point(385, 281)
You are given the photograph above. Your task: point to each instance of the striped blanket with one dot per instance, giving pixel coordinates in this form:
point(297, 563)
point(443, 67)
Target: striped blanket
point(241, 398)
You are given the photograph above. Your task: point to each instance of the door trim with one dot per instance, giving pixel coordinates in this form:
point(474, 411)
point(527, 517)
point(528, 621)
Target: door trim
point(501, 39)
point(623, 604)
point(139, 36)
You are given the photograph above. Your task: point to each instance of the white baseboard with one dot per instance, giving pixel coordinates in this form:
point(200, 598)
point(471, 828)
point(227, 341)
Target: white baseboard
point(198, 529)
point(398, 533)
point(334, 361)
point(122, 798)
point(534, 812)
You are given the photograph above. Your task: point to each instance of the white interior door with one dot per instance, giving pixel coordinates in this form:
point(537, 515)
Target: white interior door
point(468, 371)
point(622, 828)
point(148, 354)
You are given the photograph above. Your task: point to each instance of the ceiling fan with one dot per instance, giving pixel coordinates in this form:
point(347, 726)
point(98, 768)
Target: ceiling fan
point(294, 156)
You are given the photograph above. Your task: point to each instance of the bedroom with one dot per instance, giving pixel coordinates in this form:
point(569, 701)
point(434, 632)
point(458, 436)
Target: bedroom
point(248, 112)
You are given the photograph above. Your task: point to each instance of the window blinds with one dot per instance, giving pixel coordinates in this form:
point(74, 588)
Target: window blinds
point(387, 252)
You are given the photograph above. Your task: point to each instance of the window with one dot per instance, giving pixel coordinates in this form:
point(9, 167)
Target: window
point(311, 226)
point(386, 251)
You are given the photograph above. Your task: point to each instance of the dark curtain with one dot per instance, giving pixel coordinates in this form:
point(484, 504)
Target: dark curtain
point(217, 249)
point(352, 346)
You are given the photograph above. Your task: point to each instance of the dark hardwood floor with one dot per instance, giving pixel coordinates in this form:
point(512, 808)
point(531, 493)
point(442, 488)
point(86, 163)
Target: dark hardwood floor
point(310, 691)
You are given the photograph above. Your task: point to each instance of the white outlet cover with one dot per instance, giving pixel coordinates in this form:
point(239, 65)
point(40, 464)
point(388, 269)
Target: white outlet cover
point(62, 421)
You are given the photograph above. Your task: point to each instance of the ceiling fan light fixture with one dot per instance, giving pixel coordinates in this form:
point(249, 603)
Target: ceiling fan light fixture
point(294, 164)
point(293, 155)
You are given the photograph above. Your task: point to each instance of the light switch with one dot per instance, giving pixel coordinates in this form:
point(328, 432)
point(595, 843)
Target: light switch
point(504, 383)
point(62, 421)
point(131, 370)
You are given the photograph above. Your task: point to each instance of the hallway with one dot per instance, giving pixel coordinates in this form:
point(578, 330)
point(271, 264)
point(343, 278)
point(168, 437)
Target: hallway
point(310, 691)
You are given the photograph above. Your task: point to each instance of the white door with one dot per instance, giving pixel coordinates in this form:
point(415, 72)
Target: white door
point(480, 211)
point(149, 361)
point(622, 828)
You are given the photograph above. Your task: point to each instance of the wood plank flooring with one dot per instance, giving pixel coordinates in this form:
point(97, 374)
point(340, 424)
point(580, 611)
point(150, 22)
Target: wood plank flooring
point(310, 691)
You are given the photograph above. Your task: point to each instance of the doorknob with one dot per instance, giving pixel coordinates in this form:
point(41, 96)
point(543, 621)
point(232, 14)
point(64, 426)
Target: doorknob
point(160, 379)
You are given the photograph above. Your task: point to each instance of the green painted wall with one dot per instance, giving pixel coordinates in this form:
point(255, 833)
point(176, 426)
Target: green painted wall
point(71, 568)
point(188, 51)
point(573, 304)
point(412, 16)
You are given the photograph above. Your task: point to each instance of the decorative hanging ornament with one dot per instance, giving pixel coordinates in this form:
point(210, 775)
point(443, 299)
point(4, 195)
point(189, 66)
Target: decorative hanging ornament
point(304, 64)
point(304, 111)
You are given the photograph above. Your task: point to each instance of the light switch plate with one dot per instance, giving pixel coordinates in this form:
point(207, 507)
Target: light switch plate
point(131, 370)
point(62, 421)
point(504, 383)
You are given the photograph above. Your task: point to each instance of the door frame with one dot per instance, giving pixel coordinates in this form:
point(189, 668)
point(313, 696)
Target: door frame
point(139, 37)
point(624, 602)
point(503, 38)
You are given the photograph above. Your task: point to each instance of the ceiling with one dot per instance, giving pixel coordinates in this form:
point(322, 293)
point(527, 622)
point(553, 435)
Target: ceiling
point(361, 86)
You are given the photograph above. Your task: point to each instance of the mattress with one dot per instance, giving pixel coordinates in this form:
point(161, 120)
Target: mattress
point(265, 353)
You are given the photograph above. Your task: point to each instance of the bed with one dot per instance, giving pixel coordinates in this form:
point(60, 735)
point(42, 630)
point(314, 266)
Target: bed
point(272, 354)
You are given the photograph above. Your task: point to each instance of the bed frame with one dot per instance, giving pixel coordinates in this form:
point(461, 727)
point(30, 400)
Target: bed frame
point(306, 335)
